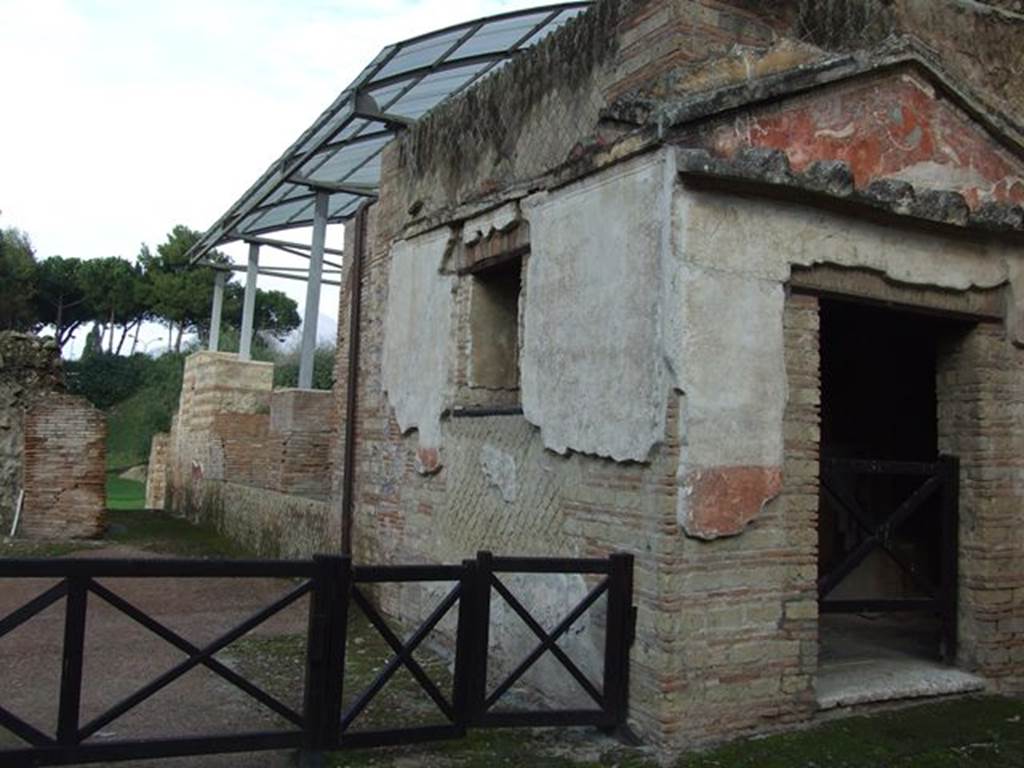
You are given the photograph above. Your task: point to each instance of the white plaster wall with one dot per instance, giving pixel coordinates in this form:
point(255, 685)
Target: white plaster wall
point(594, 375)
point(764, 238)
point(731, 368)
point(417, 332)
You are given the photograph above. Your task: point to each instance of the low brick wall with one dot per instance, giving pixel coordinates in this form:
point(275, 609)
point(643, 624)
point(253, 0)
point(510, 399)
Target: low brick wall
point(251, 460)
point(270, 524)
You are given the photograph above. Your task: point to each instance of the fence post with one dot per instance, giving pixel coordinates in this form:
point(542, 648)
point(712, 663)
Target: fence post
point(482, 619)
point(71, 669)
point(618, 639)
point(325, 654)
point(465, 647)
point(950, 469)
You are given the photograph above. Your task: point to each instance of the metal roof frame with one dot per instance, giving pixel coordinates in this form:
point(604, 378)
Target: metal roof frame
point(339, 153)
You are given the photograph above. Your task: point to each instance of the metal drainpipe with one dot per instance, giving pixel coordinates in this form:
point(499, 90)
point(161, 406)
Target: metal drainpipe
point(355, 312)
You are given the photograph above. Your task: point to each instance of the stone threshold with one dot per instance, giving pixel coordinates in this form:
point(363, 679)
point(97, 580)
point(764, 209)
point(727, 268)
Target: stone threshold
point(873, 681)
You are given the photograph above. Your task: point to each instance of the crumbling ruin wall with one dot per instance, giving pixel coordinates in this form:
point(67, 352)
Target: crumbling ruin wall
point(65, 469)
point(976, 41)
point(26, 366)
point(544, 108)
point(52, 445)
point(252, 461)
point(547, 107)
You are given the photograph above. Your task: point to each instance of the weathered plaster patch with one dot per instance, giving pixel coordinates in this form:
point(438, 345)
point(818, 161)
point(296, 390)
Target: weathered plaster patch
point(731, 368)
point(499, 467)
point(498, 220)
point(594, 374)
point(416, 359)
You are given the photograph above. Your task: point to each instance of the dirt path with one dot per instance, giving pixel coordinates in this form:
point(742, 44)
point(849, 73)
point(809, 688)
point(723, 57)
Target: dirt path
point(122, 656)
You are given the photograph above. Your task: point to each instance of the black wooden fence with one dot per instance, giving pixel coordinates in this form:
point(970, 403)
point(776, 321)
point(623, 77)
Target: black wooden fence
point(930, 495)
point(335, 586)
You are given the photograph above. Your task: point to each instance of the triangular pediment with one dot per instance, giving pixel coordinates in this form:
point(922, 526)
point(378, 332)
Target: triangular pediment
point(895, 123)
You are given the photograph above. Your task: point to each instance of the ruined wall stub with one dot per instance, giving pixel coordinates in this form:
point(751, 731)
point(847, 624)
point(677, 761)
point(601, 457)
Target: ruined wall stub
point(27, 366)
point(52, 445)
point(252, 461)
point(65, 468)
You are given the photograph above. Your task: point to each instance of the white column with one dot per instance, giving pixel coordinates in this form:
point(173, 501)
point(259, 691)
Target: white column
point(316, 268)
point(249, 305)
point(218, 308)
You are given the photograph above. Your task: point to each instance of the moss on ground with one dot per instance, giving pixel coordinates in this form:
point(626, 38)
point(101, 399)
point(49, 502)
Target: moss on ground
point(987, 731)
point(24, 548)
point(159, 532)
point(983, 731)
point(153, 531)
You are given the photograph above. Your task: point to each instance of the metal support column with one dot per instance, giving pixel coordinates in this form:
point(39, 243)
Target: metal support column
point(249, 305)
point(218, 308)
point(316, 267)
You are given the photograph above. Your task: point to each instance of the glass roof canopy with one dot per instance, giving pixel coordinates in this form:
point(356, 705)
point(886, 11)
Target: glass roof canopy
point(340, 152)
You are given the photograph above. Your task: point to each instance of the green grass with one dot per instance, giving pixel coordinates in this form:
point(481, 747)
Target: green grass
point(978, 732)
point(125, 494)
point(159, 532)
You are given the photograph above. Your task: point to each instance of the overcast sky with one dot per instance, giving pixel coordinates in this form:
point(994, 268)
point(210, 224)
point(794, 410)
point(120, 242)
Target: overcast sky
point(122, 118)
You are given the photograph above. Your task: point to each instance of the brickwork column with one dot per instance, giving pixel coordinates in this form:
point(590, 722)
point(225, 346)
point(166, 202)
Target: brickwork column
point(981, 420)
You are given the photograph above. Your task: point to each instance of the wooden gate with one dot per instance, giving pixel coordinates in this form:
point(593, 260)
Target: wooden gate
point(930, 494)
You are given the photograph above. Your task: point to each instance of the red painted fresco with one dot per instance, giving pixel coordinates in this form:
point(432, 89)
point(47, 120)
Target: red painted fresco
point(723, 501)
point(894, 126)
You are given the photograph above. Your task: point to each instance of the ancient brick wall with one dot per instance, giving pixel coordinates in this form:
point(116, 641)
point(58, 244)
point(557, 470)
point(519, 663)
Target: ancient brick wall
point(65, 469)
point(981, 410)
point(727, 635)
point(233, 429)
point(303, 424)
point(727, 639)
point(27, 367)
point(52, 445)
point(544, 108)
point(739, 615)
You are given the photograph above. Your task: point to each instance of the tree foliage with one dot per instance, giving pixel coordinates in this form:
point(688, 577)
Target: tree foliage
point(117, 295)
point(275, 314)
point(17, 281)
point(59, 299)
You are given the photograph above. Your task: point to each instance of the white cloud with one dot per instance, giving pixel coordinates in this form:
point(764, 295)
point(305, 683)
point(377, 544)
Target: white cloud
point(123, 118)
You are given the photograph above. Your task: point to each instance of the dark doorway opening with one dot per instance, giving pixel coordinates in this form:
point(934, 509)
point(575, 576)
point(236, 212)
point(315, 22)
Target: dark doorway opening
point(886, 543)
point(878, 382)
